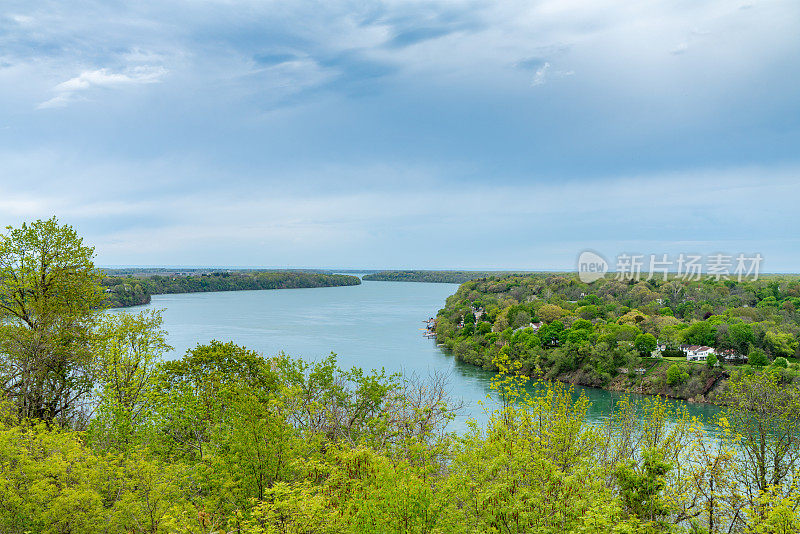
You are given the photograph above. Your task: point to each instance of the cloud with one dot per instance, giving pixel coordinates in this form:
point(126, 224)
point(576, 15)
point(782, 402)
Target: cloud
point(266, 98)
point(530, 63)
point(680, 49)
point(58, 101)
point(541, 74)
point(70, 90)
point(183, 212)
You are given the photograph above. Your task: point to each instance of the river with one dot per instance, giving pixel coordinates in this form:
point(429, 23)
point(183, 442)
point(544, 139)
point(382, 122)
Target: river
point(372, 325)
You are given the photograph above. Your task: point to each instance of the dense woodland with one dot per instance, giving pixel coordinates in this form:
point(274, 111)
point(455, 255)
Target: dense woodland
point(447, 277)
point(135, 290)
point(100, 434)
point(603, 334)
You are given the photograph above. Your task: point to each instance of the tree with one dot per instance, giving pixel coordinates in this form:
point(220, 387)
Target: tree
point(711, 360)
point(676, 374)
point(550, 312)
point(757, 358)
point(194, 392)
point(780, 343)
point(764, 420)
point(128, 347)
point(49, 290)
point(641, 488)
point(740, 336)
point(645, 344)
point(700, 333)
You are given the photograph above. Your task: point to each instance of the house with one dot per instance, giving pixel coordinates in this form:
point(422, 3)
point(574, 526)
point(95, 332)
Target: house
point(697, 352)
point(731, 355)
point(534, 326)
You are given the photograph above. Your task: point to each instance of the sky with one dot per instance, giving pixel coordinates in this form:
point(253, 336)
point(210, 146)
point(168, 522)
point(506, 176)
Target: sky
point(404, 134)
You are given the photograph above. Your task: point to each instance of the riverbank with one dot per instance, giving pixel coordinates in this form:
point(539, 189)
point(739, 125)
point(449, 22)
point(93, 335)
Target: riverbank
point(437, 277)
point(135, 290)
point(704, 385)
point(606, 334)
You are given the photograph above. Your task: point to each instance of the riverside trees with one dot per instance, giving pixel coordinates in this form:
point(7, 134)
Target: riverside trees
point(48, 293)
point(235, 442)
point(593, 333)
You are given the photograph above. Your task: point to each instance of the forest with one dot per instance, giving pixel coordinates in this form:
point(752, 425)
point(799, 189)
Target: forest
point(135, 289)
point(606, 334)
point(442, 277)
point(101, 433)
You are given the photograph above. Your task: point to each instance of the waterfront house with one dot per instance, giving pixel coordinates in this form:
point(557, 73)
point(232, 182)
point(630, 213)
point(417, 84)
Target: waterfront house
point(697, 352)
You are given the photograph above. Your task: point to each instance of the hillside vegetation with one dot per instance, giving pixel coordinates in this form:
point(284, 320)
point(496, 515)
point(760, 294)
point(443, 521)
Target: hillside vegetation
point(447, 277)
point(604, 334)
point(135, 290)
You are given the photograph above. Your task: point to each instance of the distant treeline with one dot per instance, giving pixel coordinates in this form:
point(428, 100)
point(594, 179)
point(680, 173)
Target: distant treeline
point(125, 291)
point(446, 277)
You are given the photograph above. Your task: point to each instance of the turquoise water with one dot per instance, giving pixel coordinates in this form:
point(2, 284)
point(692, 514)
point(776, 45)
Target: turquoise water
point(373, 325)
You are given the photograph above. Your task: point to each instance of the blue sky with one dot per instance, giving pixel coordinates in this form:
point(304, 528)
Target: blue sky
point(451, 134)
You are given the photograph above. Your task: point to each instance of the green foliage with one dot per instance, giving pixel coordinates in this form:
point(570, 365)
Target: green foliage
point(136, 290)
point(593, 333)
point(550, 313)
point(765, 418)
point(48, 291)
point(128, 347)
point(645, 344)
point(677, 374)
point(781, 362)
point(642, 486)
point(445, 277)
point(52, 483)
point(225, 440)
point(757, 358)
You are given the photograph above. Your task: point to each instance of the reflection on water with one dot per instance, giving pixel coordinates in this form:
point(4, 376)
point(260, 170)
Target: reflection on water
point(373, 325)
point(602, 402)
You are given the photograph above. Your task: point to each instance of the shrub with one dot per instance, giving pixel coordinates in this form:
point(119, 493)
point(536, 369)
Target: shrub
point(757, 358)
point(676, 374)
point(781, 362)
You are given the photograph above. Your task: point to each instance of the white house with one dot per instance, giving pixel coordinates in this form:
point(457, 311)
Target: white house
point(697, 352)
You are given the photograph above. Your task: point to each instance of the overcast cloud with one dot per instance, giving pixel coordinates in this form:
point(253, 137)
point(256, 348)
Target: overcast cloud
point(404, 134)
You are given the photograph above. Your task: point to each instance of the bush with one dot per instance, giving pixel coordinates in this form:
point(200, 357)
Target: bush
point(757, 358)
point(645, 344)
point(677, 374)
point(781, 362)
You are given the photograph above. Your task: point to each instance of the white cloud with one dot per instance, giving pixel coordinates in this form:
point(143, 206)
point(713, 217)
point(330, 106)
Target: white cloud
point(56, 102)
point(205, 214)
point(69, 91)
point(541, 75)
point(680, 49)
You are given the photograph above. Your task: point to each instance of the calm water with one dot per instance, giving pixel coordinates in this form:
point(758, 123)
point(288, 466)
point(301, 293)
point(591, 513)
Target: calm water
point(373, 325)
